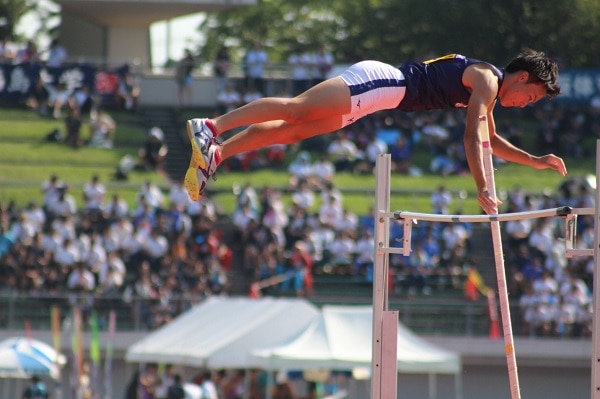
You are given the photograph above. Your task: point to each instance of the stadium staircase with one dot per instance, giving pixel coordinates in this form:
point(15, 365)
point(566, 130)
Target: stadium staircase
point(170, 121)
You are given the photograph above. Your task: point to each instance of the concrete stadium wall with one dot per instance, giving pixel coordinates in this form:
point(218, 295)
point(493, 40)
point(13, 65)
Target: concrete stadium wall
point(161, 90)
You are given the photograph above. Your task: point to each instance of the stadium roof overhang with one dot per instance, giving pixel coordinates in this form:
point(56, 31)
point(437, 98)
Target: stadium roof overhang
point(141, 13)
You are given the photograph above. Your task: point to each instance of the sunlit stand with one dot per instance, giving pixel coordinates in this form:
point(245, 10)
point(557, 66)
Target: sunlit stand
point(384, 365)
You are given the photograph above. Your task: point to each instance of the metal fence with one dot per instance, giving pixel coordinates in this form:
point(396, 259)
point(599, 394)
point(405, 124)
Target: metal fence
point(134, 313)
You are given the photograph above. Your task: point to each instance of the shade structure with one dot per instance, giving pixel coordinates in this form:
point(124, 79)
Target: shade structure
point(341, 339)
point(221, 332)
point(22, 357)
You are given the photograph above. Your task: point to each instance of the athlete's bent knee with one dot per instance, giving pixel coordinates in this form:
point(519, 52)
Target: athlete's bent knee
point(296, 111)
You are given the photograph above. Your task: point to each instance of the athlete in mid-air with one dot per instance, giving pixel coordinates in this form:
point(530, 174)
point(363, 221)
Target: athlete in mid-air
point(370, 86)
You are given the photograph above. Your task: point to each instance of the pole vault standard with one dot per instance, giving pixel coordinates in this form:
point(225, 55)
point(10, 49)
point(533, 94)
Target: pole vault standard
point(384, 355)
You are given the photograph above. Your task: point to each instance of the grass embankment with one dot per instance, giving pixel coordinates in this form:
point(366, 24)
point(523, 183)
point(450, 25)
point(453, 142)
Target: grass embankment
point(27, 159)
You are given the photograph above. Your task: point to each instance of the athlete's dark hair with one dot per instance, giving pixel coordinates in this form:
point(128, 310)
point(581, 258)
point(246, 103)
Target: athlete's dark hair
point(541, 68)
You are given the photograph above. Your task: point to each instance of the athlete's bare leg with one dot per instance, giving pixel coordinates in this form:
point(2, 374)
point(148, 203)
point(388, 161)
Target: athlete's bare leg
point(267, 121)
point(260, 135)
point(325, 100)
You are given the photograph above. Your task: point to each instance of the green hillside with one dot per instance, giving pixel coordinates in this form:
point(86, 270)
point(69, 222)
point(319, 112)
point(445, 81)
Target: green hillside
point(27, 159)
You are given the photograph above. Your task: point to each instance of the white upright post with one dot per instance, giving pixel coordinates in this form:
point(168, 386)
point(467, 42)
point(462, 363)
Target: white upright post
point(385, 323)
point(595, 389)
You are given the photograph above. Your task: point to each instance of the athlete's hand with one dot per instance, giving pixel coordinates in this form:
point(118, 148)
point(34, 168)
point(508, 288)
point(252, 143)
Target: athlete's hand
point(551, 161)
point(487, 203)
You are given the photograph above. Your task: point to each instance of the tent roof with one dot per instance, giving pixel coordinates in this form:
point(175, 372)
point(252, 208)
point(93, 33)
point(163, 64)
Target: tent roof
point(221, 332)
point(341, 339)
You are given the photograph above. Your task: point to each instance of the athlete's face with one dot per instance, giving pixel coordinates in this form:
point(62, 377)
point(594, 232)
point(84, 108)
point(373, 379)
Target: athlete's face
point(521, 93)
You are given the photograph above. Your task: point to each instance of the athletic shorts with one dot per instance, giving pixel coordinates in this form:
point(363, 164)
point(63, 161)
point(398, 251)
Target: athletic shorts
point(374, 86)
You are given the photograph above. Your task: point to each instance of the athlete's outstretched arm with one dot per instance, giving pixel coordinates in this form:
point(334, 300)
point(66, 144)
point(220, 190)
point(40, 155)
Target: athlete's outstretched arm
point(507, 151)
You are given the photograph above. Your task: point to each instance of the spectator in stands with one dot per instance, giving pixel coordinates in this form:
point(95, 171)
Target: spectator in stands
point(94, 195)
point(419, 268)
point(128, 92)
point(178, 195)
point(73, 124)
point(331, 212)
point(374, 147)
point(441, 200)
point(228, 99)
point(342, 251)
point(58, 98)
point(572, 134)
point(83, 99)
point(151, 194)
point(455, 243)
point(184, 79)
point(527, 309)
point(517, 230)
point(221, 68)
point(572, 312)
point(57, 54)
point(153, 151)
point(250, 94)
point(81, 279)
point(324, 171)
point(64, 205)
point(343, 152)
point(319, 239)
point(274, 216)
point(301, 63)
point(533, 266)
point(38, 97)
point(34, 216)
point(365, 246)
point(303, 197)
point(36, 389)
point(300, 266)
point(253, 66)
point(243, 216)
point(546, 310)
point(29, 53)
point(301, 169)
point(116, 209)
point(401, 153)
point(7, 50)
point(149, 381)
point(322, 65)
point(348, 222)
point(154, 248)
point(102, 129)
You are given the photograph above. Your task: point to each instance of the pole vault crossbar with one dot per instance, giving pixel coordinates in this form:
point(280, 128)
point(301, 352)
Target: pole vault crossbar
point(503, 217)
point(384, 357)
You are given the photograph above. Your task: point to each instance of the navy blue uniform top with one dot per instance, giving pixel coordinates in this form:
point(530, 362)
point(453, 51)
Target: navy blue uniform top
point(437, 83)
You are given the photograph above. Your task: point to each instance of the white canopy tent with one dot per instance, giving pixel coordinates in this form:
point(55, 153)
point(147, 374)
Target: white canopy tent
point(221, 332)
point(340, 339)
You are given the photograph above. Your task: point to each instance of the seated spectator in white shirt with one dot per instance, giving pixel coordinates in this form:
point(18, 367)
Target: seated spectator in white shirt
point(301, 169)
point(229, 99)
point(304, 197)
point(343, 152)
point(342, 251)
point(81, 279)
point(94, 194)
point(57, 54)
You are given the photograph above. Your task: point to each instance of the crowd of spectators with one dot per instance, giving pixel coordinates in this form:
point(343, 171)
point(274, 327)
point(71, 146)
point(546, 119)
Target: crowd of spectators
point(169, 252)
point(163, 250)
point(165, 247)
point(554, 291)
